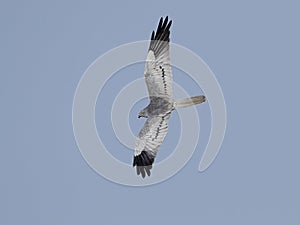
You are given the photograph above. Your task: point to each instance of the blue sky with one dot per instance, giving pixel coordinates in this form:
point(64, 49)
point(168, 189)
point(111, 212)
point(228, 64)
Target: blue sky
point(252, 48)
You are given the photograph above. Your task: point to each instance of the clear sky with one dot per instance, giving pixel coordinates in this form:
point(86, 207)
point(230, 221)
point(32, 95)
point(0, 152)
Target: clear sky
point(251, 46)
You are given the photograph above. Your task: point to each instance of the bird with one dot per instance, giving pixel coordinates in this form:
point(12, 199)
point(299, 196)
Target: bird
point(158, 78)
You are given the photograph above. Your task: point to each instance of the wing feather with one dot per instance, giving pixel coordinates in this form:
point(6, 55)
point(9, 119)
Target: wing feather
point(158, 75)
point(148, 142)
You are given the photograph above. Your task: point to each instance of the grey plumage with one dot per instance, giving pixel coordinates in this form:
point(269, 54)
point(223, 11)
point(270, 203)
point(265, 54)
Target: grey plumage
point(185, 102)
point(158, 78)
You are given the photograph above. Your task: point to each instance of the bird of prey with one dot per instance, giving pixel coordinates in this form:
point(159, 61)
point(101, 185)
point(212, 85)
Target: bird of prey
point(158, 78)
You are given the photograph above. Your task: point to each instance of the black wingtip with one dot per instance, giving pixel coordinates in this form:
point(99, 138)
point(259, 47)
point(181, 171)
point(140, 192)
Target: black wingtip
point(143, 170)
point(162, 28)
point(152, 35)
point(161, 37)
point(143, 163)
point(160, 21)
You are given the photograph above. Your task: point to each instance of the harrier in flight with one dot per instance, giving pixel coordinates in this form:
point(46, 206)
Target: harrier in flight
point(158, 78)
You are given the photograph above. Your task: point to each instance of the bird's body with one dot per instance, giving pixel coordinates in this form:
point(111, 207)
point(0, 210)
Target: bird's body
point(158, 78)
point(157, 106)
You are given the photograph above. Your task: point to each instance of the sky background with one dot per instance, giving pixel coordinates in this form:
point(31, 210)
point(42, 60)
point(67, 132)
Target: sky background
point(251, 46)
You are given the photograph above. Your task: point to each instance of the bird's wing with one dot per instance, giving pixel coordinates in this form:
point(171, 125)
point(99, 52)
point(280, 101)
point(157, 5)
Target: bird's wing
point(157, 71)
point(148, 142)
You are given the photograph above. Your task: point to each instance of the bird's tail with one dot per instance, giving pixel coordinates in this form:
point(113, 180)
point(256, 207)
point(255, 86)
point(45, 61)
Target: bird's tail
point(189, 101)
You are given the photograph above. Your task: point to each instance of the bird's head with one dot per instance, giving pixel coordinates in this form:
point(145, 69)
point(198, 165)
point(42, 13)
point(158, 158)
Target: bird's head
point(142, 114)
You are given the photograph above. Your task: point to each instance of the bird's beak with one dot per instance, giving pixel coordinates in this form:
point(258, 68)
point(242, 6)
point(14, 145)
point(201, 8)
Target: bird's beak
point(139, 116)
